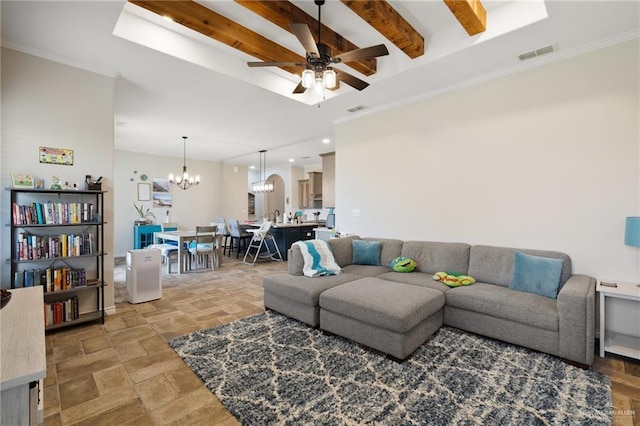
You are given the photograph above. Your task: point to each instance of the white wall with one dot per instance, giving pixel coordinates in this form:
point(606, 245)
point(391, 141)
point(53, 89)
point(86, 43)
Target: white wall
point(45, 103)
point(547, 158)
point(221, 193)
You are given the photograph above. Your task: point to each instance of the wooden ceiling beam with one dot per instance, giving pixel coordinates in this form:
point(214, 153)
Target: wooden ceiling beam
point(470, 13)
point(388, 22)
point(282, 13)
point(211, 24)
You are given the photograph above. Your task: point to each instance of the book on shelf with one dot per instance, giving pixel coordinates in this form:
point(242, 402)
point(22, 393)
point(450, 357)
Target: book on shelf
point(34, 247)
point(61, 311)
point(53, 279)
point(52, 213)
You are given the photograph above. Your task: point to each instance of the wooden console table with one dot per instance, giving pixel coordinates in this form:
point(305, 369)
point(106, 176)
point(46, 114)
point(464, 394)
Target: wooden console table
point(23, 361)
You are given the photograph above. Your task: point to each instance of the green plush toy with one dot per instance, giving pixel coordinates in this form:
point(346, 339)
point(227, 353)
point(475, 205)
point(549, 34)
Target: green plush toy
point(453, 280)
point(403, 264)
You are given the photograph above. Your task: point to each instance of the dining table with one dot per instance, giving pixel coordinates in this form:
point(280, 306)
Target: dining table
point(183, 238)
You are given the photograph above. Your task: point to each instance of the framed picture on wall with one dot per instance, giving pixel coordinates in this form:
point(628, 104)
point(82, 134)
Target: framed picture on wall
point(144, 192)
point(49, 155)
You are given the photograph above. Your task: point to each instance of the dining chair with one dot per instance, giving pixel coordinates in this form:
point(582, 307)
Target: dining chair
point(203, 246)
point(167, 251)
point(239, 238)
point(169, 226)
point(223, 230)
point(260, 239)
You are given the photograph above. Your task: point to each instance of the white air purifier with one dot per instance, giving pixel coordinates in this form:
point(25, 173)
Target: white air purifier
point(144, 274)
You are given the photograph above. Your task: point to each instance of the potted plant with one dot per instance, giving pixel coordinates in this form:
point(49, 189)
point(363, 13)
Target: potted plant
point(146, 215)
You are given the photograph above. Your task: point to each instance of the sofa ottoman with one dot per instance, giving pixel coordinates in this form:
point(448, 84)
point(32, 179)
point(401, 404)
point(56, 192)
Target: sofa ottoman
point(390, 317)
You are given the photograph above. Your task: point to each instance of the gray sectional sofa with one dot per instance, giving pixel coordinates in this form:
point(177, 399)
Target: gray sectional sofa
point(396, 312)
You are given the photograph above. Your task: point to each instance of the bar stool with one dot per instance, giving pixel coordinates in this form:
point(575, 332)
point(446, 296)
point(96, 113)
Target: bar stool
point(238, 237)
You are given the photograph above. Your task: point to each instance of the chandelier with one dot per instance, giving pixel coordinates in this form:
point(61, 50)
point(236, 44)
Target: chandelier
point(183, 180)
point(262, 185)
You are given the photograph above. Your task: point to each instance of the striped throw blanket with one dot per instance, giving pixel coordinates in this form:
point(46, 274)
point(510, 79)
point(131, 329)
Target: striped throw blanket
point(318, 258)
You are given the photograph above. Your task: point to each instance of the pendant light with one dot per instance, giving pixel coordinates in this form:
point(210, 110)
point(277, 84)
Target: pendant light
point(183, 180)
point(263, 185)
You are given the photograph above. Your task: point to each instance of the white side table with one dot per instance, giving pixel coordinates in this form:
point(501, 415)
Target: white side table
point(611, 341)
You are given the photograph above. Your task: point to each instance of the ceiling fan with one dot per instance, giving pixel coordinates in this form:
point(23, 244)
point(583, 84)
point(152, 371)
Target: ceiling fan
point(318, 66)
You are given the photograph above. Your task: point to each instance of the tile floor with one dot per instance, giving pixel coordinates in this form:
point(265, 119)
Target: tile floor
point(124, 372)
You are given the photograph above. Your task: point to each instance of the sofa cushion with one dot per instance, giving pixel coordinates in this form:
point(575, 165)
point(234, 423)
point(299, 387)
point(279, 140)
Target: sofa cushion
point(305, 290)
point(415, 278)
point(342, 249)
point(502, 302)
point(536, 274)
point(494, 265)
point(432, 257)
point(366, 270)
point(390, 249)
point(393, 306)
point(366, 252)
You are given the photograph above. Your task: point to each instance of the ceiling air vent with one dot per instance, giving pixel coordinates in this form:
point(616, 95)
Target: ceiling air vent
point(537, 52)
point(357, 108)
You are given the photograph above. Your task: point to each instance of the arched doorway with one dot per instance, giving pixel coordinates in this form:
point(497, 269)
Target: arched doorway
point(274, 200)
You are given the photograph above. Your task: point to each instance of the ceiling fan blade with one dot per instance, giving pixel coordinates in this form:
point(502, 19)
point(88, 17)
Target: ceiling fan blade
point(275, 64)
point(352, 81)
point(364, 53)
point(303, 33)
point(299, 89)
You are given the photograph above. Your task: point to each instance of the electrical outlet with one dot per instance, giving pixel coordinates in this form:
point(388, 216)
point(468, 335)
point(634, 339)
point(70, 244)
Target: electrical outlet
point(355, 212)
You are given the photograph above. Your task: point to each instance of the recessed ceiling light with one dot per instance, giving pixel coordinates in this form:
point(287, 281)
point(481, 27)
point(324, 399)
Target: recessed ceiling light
point(291, 160)
point(326, 140)
point(252, 167)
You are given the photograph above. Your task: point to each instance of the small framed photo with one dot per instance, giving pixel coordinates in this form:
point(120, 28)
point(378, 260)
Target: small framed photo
point(39, 183)
point(22, 180)
point(144, 192)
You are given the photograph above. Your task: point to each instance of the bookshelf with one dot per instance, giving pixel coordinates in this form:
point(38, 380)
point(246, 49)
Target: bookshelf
point(57, 242)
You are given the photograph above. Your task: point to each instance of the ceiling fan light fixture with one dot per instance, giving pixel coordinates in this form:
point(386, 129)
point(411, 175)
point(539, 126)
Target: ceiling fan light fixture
point(318, 87)
point(329, 78)
point(308, 78)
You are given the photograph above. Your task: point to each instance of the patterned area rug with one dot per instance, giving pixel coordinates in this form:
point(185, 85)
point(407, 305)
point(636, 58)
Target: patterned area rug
point(271, 370)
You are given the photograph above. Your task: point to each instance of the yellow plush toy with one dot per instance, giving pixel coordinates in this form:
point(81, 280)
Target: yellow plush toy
point(453, 280)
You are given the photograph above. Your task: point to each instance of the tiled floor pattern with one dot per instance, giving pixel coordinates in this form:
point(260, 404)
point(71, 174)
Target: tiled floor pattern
point(124, 372)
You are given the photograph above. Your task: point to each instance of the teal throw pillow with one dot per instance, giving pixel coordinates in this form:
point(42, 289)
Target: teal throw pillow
point(535, 274)
point(366, 252)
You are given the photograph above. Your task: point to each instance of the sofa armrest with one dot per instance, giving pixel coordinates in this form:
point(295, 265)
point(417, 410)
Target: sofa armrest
point(576, 310)
point(295, 261)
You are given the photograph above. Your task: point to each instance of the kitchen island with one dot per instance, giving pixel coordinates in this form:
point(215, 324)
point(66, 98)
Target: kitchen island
point(286, 234)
